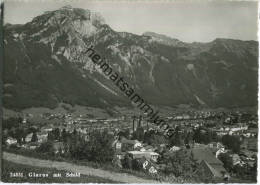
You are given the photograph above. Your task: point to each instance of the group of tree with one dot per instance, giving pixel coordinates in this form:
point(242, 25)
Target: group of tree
point(227, 160)
point(178, 136)
point(55, 134)
point(180, 164)
point(242, 172)
point(152, 137)
point(14, 128)
point(232, 142)
point(12, 122)
point(97, 148)
point(204, 135)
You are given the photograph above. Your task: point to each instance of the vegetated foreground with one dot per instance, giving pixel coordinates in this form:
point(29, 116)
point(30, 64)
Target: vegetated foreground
point(96, 175)
point(11, 167)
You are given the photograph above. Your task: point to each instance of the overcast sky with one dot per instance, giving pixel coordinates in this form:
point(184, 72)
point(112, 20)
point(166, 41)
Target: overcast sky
point(186, 21)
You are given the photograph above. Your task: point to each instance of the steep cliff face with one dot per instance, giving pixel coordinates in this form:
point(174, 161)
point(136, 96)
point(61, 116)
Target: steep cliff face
point(44, 65)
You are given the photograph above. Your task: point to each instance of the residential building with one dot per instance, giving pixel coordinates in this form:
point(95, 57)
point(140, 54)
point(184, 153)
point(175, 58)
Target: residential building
point(209, 164)
point(146, 154)
point(11, 141)
point(28, 138)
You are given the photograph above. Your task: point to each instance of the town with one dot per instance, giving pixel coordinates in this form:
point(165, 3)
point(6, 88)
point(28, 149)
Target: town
point(207, 146)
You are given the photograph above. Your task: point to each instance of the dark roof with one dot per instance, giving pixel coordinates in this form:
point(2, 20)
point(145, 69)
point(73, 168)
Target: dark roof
point(208, 159)
point(219, 168)
point(215, 170)
point(206, 155)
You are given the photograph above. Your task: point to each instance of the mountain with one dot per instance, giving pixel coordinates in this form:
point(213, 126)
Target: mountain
point(44, 65)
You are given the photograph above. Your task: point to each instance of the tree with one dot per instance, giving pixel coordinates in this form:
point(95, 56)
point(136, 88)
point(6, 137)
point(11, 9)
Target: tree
point(232, 142)
point(136, 165)
point(188, 138)
point(56, 134)
point(101, 146)
point(254, 172)
point(34, 137)
point(179, 163)
point(64, 135)
point(125, 133)
point(75, 132)
point(18, 134)
point(50, 136)
point(147, 136)
point(127, 162)
point(45, 147)
point(176, 138)
point(98, 148)
point(11, 122)
point(227, 160)
point(204, 135)
point(139, 134)
point(241, 171)
point(207, 137)
point(157, 139)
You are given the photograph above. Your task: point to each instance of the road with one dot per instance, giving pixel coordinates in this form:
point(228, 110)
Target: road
point(85, 170)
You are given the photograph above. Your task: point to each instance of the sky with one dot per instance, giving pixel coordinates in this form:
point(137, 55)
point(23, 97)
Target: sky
point(189, 21)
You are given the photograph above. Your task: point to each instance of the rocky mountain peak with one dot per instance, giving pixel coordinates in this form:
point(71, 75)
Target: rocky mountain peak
point(67, 20)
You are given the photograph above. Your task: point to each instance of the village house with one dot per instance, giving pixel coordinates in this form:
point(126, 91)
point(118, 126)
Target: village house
point(209, 164)
point(123, 144)
point(220, 151)
point(147, 148)
point(11, 141)
point(33, 145)
point(247, 135)
point(120, 155)
point(24, 121)
point(249, 144)
point(174, 149)
point(42, 137)
point(236, 160)
point(28, 138)
point(216, 145)
point(86, 137)
point(146, 154)
point(58, 147)
point(47, 129)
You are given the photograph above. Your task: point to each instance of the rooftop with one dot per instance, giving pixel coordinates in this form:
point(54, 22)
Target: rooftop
point(206, 155)
point(144, 152)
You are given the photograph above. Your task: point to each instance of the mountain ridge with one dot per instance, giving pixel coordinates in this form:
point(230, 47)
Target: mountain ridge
point(165, 71)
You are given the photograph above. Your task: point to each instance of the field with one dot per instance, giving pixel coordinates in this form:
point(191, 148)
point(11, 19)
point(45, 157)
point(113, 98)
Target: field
point(10, 167)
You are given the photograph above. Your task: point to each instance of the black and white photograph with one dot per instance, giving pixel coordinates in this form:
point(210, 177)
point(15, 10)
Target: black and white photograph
point(129, 92)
